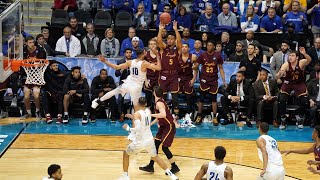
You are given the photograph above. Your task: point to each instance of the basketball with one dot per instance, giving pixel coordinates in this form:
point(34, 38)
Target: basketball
point(165, 18)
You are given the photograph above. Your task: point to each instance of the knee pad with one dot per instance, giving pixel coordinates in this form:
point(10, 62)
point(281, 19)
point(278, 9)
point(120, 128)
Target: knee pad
point(167, 152)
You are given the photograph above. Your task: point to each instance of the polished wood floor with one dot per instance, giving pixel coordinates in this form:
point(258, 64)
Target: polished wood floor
point(100, 157)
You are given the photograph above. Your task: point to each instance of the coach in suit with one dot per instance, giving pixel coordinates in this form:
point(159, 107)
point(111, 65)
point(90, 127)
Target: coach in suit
point(238, 92)
point(279, 58)
point(314, 97)
point(249, 40)
point(266, 92)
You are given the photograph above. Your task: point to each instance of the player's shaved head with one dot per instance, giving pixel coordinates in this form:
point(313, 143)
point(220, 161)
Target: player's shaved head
point(264, 127)
point(220, 152)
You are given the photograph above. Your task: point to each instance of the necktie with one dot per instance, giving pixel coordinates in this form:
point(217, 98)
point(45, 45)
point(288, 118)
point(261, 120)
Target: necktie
point(238, 90)
point(68, 45)
point(318, 53)
point(266, 88)
point(283, 58)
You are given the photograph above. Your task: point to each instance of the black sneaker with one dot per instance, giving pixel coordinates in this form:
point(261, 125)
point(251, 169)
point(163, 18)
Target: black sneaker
point(248, 123)
point(65, 119)
point(113, 120)
point(92, 119)
point(174, 169)
point(147, 168)
point(84, 119)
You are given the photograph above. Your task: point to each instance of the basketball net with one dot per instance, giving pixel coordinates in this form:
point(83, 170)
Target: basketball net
point(35, 71)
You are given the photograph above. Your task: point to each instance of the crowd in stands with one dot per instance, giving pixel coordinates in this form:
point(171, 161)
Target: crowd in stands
point(251, 86)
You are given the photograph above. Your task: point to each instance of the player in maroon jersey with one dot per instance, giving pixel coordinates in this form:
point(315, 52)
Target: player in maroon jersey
point(169, 52)
point(315, 149)
point(292, 73)
point(187, 76)
point(211, 62)
point(166, 131)
point(152, 75)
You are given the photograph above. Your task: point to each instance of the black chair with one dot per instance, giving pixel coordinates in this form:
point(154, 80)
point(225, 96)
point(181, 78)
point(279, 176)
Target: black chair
point(83, 16)
point(59, 18)
point(103, 19)
point(123, 20)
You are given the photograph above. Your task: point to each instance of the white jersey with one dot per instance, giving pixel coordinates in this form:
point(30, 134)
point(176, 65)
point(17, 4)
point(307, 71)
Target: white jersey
point(274, 155)
point(216, 171)
point(144, 134)
point(136, 75)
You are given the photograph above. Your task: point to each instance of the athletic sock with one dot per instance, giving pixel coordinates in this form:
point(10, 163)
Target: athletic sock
point(85, 113)
point(66, 113)
point(173, 164)
point(48, 115)
point(29, 111)
point(151, 163)
point(37, 110)
point(125, 173)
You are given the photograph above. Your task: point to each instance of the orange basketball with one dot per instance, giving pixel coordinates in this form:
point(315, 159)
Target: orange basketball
point(165, 18)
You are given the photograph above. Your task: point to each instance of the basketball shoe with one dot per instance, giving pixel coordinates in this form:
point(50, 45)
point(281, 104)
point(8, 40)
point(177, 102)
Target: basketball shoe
point(84, 119)
point(49, 119)
point(59, 119)
point(124, 177)
point(65, 119)
point(95, 103)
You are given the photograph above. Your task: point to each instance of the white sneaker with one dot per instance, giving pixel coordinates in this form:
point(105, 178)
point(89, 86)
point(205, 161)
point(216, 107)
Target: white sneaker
point(124, 177)
point(95, 104)
point(173, 177)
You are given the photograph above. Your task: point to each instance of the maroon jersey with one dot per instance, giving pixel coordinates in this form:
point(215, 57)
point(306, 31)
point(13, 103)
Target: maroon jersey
point(168, 119)
point(185, 67)
point(169, 59)
point(210, 64)
point(151, 74)
point(294, 75)
point(316, 152)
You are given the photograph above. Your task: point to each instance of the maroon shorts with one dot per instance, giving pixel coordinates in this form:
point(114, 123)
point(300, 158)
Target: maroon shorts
point(184, 85)
point(169, 83)
point(207, 84)
point(299, 89)
point(152, 82)
point(166, 134)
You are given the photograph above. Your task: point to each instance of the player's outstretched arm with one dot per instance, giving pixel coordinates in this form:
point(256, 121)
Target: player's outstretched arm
point(203, 170)
point(299, 151)
point(282, 71)
point(261, 144)
point(160, 42)
point(115, 66)
point(162, 111)
point(304, 62)
point(228, 173)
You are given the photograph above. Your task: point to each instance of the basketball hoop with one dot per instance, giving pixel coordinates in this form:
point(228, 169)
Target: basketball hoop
point(34, 68)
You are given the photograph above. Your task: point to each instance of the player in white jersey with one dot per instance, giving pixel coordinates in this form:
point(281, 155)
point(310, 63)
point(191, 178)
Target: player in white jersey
point(134, 82)
point(216, 169)
point(143, 139)
point(270, 155)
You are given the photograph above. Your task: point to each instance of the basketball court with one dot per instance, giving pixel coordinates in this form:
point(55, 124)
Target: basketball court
point(94, 151)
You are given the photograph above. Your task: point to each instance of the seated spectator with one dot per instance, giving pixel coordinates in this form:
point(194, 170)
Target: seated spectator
point(41, 42)
point(90, 42)
point(226, 17)
point(315, 16)
point(238, 55)
point(24, 34)
point(32, 51)
point(197, 48)
point(68, 44)
point(164, 35)
point(295, 40)
point(142, 19)
point(107, 4)
point(219, 49)
point(76, 90)
point(250, 21)
point(54, 78)
point(147, 4)
point(295, 16)
point(77, 29)
point(258, 53)
point(49, 40)
point(186, 38)
point(54, 172)
point(250, 40)
point(266, 92)
point(123, 5)
point(251, 65)
point(287, 5)
point(227, 46)
point(100, 85)
point(279, 58)
point(168, 27)
point(242, 7)
point(207, 20)
point(126, 43)
point(204, 40)
point(183, 19)
point(221, 2)
point(314, 98)
point(199, 6)
point(271, 23)
point(238, 91)
point(265, 5)
point(110, 45)
point(314, 53)
point(70, 6)
point(135, 46)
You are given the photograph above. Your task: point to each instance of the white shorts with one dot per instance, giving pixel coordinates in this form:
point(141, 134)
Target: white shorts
point(134, 90)
point(137, 147)
point(274, 172)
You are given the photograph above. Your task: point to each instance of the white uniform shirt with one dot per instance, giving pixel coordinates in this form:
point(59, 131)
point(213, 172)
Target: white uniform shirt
point(274, 155)
point(144, 134)
point(74, 46)
point(136, 75)
point(216, 172)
